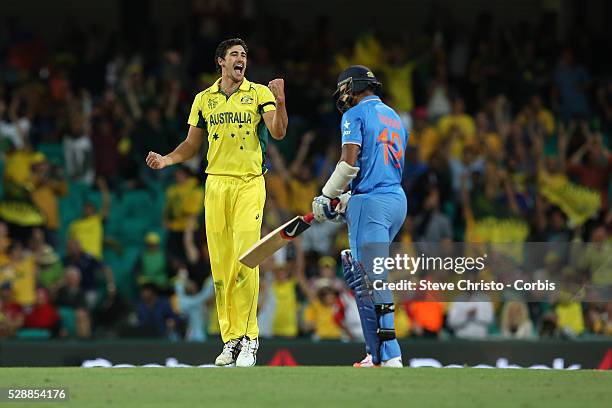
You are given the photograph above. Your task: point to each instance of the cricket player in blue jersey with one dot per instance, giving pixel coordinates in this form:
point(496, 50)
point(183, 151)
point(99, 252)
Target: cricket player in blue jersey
point(371, 165)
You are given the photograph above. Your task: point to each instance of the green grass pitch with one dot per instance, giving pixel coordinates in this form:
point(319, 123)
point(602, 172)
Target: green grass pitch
point(315, 386)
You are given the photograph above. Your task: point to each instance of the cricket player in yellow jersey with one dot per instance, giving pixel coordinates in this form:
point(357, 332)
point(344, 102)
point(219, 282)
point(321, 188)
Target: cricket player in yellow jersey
point(237, 115)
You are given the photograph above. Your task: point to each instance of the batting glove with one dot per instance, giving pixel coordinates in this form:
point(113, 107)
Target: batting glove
point(322, 209)
point(343, 203)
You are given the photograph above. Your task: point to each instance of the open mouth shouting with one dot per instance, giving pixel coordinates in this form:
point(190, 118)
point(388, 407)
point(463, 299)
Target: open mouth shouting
point(239, 68)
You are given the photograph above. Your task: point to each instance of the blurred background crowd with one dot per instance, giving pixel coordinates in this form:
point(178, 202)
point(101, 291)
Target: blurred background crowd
point(510, 134)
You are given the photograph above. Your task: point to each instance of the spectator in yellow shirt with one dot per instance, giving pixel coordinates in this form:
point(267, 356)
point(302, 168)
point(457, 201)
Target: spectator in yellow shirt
point(298, 180)
point(535, 113)
point(570, 320)
point(319, 314)
point(88, 230)
point(423, 136)
point(488, 139)
point(284, 290)
point(184, 203)
point(46, 190)
point(18, 166)
point(461, 122)
point(21, 272)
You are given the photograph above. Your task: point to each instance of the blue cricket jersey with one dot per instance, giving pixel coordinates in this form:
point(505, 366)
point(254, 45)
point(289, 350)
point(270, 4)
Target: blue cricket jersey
point(379, 131)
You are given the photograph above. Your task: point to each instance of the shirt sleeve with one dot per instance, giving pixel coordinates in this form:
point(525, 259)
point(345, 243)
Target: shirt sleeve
point(196, 118)
point(266, 100)
point(351, 127)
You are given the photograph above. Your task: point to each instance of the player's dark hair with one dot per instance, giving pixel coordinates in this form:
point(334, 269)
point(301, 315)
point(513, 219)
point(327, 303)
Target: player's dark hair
point(226, 45)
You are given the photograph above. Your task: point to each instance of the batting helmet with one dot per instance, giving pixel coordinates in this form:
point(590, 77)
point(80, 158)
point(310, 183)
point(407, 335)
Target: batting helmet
point(353, 80)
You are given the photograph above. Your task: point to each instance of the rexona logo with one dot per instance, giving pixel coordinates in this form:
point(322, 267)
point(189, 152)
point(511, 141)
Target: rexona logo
point(557, 364)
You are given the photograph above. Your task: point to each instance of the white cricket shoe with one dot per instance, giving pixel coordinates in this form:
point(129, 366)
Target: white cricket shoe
point(365, 363)
point(248, 353)
point(229, 353)
point(395, 362)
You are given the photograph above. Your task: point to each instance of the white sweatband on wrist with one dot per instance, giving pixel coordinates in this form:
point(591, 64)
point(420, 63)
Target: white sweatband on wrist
point(342, 175)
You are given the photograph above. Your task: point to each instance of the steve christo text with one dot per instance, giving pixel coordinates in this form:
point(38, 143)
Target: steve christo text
point(465, 285)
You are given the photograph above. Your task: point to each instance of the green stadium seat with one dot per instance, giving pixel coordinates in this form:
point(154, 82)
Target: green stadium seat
point(33, 334)
point(68, 317)
point(123, 265)
point(133, 230)
point(54, 152)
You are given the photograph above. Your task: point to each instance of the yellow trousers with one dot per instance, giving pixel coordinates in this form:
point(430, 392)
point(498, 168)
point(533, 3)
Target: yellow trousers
point(234, 210)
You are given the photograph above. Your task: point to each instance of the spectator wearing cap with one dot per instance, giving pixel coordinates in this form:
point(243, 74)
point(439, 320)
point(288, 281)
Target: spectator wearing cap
point(151, 267)
point(50, 269)
point(88, 230)
point(327, 269)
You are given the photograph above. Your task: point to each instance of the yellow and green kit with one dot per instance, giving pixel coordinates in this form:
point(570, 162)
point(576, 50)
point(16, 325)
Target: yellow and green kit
point(235, 194)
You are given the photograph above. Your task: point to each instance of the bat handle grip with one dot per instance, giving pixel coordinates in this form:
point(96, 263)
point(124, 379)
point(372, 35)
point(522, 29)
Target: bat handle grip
point(310, 216)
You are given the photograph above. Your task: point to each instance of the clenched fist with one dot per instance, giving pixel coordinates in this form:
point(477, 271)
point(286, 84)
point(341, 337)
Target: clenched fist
point(157, 161)
point(277, 86)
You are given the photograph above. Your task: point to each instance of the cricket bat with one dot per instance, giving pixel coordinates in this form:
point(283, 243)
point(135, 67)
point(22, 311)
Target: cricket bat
point(277, 239)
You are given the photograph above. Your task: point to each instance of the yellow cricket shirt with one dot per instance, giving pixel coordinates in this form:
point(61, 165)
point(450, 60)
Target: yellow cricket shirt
point(183, 201)
point(285, 321)
point(237, 135)
point(89, 232)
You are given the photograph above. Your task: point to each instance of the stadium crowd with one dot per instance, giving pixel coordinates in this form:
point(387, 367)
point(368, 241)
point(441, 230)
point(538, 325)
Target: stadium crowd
point(509, 143)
